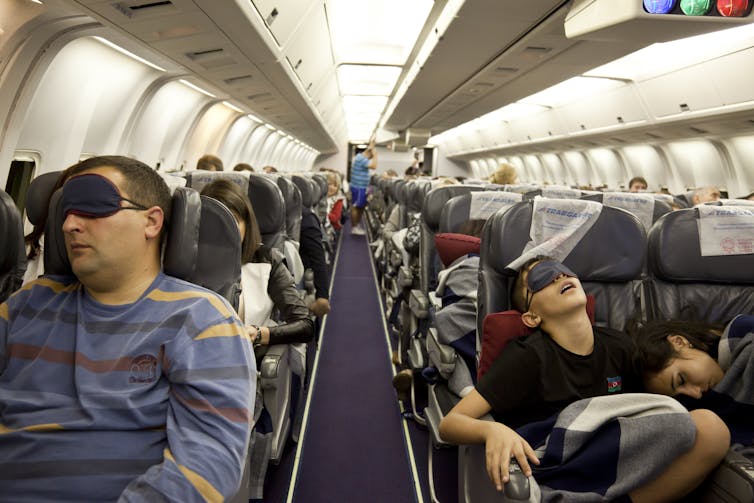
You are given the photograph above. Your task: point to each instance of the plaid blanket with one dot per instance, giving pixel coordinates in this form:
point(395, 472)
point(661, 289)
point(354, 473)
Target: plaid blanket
point(733, 397)
point(602, 448)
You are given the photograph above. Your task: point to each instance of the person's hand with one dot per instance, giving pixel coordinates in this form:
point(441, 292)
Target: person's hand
point(320, 307)
point(502, 444)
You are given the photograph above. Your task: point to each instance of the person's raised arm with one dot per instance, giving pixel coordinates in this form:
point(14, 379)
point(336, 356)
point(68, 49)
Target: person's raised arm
point(462, 426)
point(212, 374)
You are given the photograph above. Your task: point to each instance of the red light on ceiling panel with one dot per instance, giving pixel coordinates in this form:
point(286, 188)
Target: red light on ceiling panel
point(732, 8)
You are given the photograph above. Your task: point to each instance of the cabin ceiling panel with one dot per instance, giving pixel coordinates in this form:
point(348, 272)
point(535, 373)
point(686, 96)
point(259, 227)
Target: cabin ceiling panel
point(480, 33)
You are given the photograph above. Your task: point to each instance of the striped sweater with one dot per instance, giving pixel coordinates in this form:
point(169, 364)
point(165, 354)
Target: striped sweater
point(148, 401)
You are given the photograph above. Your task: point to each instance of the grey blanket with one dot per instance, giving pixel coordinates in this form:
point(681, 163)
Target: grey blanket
point(602, 448)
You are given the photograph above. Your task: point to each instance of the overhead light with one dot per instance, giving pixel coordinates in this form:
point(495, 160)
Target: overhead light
point(123, 51)
point(571, 90)
point(196, 88)
point(367, 79)
point(382, 37)
point(271, 128)
point(254, 118)
point(232, 106)
point(37, 1)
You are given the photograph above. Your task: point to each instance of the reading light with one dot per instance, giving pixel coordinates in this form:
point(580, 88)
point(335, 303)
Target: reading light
point(659, 6)
point(732, 8)
point(695, 7)
point(127, 53)
point(196, 88)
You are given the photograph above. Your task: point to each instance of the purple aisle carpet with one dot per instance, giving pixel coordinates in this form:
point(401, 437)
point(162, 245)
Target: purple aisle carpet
point(353, 448)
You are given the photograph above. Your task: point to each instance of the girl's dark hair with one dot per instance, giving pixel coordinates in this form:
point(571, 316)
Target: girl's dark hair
point(654, 351)
point(231, 195)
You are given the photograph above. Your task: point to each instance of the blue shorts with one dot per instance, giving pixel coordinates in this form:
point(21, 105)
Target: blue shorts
point(358, 197)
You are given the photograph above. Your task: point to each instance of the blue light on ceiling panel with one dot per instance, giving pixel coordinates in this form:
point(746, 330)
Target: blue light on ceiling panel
point(659, 6)
point(696, 7)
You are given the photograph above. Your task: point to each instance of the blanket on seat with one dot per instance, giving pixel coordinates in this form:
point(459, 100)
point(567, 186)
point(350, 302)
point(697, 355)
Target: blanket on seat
point(733, 397)
point(602, 448)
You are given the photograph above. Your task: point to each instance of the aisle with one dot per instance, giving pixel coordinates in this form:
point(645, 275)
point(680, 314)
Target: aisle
point(354, 448)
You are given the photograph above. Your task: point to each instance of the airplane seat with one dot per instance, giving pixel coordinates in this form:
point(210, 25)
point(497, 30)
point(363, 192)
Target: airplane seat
point(12, 255)
point(308, 192)
point(416, 310)
point(608, 260)
point(293, 216)
point(456, 368)
point(696, 272)
point(267, 200)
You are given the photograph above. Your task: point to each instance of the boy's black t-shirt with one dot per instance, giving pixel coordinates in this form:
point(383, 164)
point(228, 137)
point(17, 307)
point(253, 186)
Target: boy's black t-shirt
point(534, 378)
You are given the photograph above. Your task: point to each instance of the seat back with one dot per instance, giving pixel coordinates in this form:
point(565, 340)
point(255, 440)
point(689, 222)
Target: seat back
point(12, 256)
point(269, 208)
point(474, 206)
point(202, 246)
point(309, 193)
point(430, 216)
point(293, 205)
point(608, 260)
point(38, 196)
point(684, 284)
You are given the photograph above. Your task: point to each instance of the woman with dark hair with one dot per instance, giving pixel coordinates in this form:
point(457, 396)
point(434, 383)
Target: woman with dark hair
point(705, 366)
point(266, 284)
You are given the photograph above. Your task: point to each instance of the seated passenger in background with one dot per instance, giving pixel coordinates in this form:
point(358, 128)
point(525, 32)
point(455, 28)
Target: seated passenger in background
point(335, 201)
point(313, 257)
point(270, 169)
point(209, 162)
point(266, 284)
point(705, 195)
point(567, 360)
point(505, 175)
point(242, 166)
point(637, 184)
point(120, 382)
point(709, 363)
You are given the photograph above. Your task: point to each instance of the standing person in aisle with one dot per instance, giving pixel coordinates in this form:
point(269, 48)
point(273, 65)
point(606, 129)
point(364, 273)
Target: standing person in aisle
point(362, 163)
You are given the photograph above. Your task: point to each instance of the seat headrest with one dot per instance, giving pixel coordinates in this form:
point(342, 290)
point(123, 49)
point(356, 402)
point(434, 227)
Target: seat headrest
point(416, 191)
point(199, 178)
point(309, 193)
point(436, 199)
point(38, 196)
point(321, 181)
point(12, 257)
point(674, 253)
point(451, 246)
point(269, 208)
point(293, 206)
point(612, 250)
point(204, 245)
point(474, 206)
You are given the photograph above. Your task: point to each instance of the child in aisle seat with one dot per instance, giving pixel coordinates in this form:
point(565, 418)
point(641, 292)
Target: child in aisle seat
point(564, 361)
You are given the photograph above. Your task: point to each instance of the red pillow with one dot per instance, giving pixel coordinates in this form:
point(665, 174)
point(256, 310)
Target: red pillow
point(450, 246)
point(500, 328)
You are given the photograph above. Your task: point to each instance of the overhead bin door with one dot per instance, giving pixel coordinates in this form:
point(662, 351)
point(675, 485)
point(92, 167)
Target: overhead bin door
point(309, 53)
point(282, 16)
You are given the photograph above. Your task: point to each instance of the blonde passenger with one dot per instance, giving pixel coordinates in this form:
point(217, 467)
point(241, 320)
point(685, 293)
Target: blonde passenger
point(505, 175)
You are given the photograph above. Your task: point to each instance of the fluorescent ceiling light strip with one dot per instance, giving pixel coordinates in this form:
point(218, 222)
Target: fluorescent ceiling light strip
point(271, 128)
point(196, 88)
point(254, 118)
point(123, 51)
point(232, 106)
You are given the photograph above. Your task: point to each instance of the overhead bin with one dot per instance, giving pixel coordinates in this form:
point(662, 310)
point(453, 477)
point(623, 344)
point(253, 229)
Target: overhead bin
point(282, 16)
point(659, 20)
point(309, 52)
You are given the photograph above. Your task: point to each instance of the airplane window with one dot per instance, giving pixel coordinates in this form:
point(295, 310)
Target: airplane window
point(18, 181)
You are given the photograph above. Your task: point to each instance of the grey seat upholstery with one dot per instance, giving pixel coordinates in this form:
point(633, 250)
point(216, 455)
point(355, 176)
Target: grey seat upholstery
point(12, 256)
point(293, 204)
point(38, 196)
point(269, 207)
point(309, 193)
point(683, 284)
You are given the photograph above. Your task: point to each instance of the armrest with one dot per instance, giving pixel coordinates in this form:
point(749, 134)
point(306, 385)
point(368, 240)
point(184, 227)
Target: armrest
point(271, 361)
point(418, 302)
point(441, 356)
